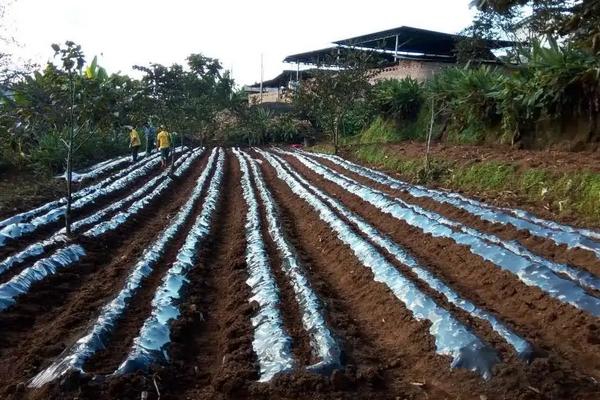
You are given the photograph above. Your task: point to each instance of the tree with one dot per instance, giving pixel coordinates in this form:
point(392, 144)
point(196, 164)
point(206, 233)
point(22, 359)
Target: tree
point(330, 94)
point(72, 58)
point(577, 20)
point(186, 100)
point(488, 26)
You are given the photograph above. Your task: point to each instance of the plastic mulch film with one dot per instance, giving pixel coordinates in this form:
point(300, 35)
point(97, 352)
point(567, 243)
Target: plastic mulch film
point(148, 186)
point(39, 248)
point(580, 276)
point(322, 340)
point(15, 231)
point(521, 346)
point(22, 282)
point(96, 338)
point(33, 250)
point(27, 215)
point(122, 216)
point(99, 169)
point(527, 270)
point(150, 345)
point(103, 164)
point(559, 233)
point(452, 337)
point(272, 344)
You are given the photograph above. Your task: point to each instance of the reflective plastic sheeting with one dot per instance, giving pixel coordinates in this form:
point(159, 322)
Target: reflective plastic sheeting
point(272, 344)
point(100, 331)
point(39, 248)
point(581, 277)
point(16, 230)
point(452, 338)
point(99, 215)
point(121, 217)
point(521, 346)
point(27, 215)
point(151, 344)
point(528, 271)
point(559, 233)
point(33, 250)
point(22, 282)
point(97, 170)
point(322, 341)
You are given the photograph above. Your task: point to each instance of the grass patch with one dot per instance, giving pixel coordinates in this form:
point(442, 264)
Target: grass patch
point(486, 176)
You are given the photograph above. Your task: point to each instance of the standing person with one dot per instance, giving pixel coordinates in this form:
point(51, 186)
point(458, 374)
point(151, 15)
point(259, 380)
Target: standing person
point(134, 143)
point(150, 138)
point(163, 143)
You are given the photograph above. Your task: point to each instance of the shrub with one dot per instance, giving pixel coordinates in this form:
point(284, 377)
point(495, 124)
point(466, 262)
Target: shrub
point(465, 96)
point(399, 99)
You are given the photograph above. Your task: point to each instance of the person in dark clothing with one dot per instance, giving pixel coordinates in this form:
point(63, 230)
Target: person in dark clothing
point(150, 132)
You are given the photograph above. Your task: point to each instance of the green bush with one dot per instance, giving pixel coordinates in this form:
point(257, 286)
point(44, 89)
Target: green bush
point(399, 99)
point(464, 96)
point(357, 118)
point(50, 153)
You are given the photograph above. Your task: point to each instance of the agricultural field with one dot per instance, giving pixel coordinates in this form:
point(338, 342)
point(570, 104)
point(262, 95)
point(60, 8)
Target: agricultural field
point(271, 273)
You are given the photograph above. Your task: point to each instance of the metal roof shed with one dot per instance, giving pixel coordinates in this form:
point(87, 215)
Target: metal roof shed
point(414, 40)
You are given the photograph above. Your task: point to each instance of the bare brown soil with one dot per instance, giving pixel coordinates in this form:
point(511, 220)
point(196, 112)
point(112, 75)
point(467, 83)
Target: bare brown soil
point(525, 309)
point(544, 247)
point(465, 155)
point(386, 353)
point(57, 311)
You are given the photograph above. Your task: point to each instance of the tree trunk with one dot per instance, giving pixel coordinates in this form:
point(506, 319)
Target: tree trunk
point(335, 135)
point(429, 134)
point(70, 161)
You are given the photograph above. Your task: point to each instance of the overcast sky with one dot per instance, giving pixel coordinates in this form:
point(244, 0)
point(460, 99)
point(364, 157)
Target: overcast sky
point(127, 32)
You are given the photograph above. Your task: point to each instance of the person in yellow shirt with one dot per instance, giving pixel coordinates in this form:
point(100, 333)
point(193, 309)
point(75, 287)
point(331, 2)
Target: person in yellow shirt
point(163, 143)
point(134, 143)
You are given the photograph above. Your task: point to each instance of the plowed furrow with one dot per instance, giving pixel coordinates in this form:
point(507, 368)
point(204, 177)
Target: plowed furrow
point(57, 310)
point(121, 340)
point(481, 327)
point(542, 246)
point(533, 314)
point(402, 343)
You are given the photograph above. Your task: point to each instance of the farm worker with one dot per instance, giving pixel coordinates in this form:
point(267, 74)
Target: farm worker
point(134, 143)
point(163, 143)
point(150, 138)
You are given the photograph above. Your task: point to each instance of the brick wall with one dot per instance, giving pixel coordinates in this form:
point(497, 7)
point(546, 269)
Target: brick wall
point(418, 70)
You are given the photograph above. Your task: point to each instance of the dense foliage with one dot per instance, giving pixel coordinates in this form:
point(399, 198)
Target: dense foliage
point(38, 109)
point(337, 101)
point(547, 83)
